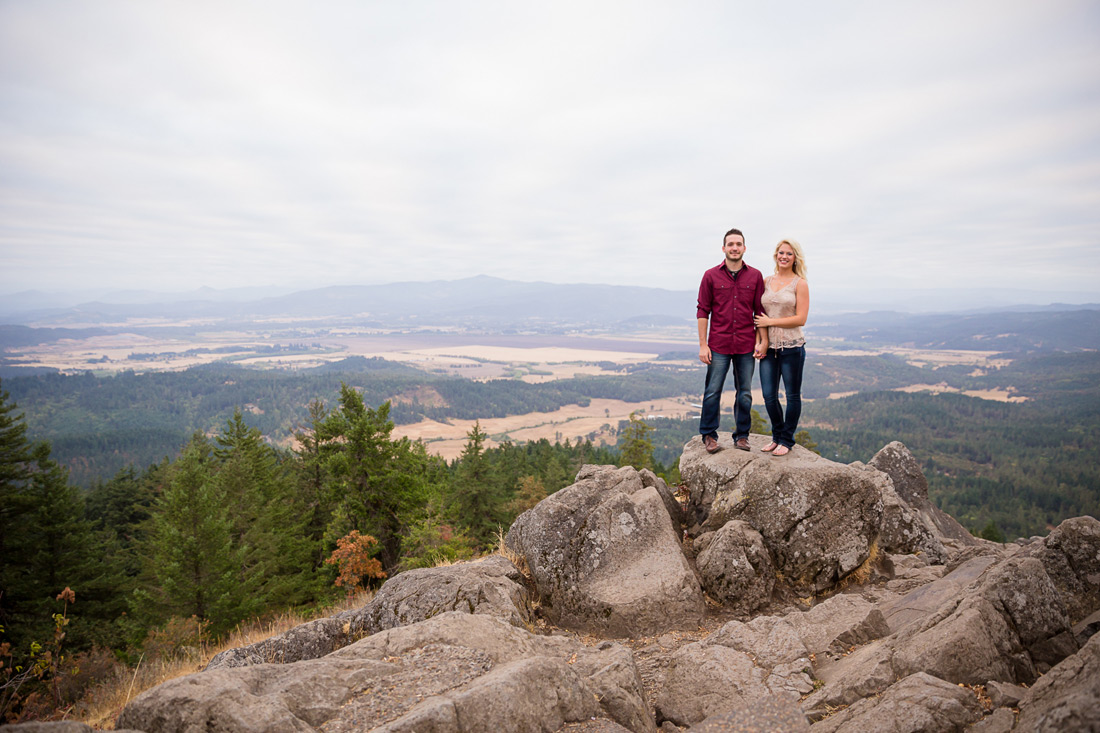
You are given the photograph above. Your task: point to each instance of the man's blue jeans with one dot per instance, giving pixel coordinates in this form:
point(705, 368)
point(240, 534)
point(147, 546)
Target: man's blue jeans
point(743, 367)
point(786, 364)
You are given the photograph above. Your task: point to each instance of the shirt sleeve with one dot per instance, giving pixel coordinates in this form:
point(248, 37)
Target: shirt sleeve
point(757, 303)
point(706, 299)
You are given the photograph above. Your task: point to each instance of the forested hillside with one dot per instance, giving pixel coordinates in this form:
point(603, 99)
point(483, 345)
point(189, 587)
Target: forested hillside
point(232, 529)
point(97, 425)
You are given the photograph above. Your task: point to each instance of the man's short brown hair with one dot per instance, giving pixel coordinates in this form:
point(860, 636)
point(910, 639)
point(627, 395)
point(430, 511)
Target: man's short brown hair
point(733, 231)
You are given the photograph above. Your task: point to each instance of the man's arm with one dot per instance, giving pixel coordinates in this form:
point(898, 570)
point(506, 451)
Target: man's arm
point(702, 315)
point(761, 349)
point(704, 349)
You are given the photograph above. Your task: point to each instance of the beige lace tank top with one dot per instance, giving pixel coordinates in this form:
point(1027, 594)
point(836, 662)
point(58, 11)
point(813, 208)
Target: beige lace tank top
point(780, 304)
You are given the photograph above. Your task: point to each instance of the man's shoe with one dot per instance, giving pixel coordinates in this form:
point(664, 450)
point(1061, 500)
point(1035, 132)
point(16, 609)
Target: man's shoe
point(741, 444)
point(710, 444)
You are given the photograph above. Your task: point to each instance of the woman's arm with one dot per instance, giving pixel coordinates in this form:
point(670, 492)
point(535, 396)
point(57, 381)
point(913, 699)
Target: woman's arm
point(801, 309)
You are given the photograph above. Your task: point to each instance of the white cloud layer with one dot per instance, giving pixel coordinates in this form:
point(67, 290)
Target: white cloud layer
point(171, 145)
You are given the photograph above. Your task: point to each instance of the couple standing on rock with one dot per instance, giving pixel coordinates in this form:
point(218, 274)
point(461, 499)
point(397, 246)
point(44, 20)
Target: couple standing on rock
point(753, 318)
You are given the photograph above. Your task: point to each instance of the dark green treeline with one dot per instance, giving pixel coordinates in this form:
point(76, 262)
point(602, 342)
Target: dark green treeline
point(234, 528)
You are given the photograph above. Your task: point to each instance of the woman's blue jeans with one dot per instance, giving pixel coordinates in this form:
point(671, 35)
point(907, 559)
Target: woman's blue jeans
point(786, 364)
point(743, 367)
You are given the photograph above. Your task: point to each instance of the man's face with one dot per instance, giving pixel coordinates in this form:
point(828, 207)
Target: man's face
point(734, 248)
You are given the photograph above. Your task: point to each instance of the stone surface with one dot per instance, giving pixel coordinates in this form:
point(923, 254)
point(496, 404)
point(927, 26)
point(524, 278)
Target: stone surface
point(765, 715)
point(903, 529)
point(735, 567)
point(488, 586)
point(865, 672)
point(916, 704)
point(838, 623)
point(1001, 720)
point(735, 667)
point(917, 605)
point(895, 460)
point(606, 557)
point(453, 673)
point(1071, 557)
point(1004, 694)
point(1068, 697)
point(818, 519)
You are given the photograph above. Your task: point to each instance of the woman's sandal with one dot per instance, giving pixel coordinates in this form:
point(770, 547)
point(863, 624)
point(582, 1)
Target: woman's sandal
point(770, 447)
point(781, 450)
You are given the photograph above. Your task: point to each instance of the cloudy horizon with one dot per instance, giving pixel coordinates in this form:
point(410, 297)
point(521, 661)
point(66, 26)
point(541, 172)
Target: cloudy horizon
point(178, 145)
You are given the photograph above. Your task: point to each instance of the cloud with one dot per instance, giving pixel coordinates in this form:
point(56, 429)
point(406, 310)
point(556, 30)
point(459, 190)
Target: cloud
point(186, 144)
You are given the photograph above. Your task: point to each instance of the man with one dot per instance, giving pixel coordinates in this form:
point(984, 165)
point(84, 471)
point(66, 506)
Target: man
point(729, 298)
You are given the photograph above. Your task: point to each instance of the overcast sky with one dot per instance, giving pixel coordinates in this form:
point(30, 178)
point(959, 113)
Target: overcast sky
point(172, 145)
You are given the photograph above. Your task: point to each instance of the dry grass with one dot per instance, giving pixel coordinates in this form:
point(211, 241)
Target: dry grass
point(862, 574)
point(511, 555)
point(105, 700)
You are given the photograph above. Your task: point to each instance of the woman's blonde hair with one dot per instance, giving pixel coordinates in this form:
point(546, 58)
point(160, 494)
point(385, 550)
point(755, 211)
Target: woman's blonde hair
point(799, 267)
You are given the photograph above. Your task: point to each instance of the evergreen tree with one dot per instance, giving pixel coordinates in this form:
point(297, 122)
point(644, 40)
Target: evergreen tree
point(16, 504)
point(316, 499)
point(477, 498)
point(802, 438)
point(199, 570)
point(381, 483)
point(60, 546)
point(635, 445)
point(269, 519)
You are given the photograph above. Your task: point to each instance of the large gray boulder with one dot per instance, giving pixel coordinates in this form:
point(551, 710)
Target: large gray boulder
point(1068, 697)
point(988, 620)
point(453, 673)
point(735, 567)
point(916, 704)
point(490, 586)
point(736, 666)
point(903, 529)
point(911, 486)
point(819, 520)
point(605, 556)
point(1071, 556)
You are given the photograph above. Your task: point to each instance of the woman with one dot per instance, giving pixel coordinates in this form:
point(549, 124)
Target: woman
point(786, 302)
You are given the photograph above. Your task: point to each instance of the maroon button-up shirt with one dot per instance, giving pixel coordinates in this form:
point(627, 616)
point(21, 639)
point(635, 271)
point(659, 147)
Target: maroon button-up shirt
point(730, 301)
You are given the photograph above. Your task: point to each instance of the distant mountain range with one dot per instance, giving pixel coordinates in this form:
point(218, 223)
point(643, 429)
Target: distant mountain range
point(477, 301)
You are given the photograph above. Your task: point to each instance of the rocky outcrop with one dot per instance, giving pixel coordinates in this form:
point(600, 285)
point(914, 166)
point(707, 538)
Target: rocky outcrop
point(454, 673)
point(490, 586)
point(911, 486)
point(915, 704)
point(1066, 698)
point(819, 520)
point(605, 556)
point(735, 567)
point(1070, 558)
point(736, 666)
point(905, 644)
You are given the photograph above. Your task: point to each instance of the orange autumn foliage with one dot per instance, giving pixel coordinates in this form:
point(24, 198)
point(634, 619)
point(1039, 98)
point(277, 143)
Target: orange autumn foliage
point(353, 557)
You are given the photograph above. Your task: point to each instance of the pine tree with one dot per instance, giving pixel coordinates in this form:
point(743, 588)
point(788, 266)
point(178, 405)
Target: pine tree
point(198, 569)
point(477, 498)
point(635, 445)
point(269, 520)
point(15, 502)
point(381, 483)
point(17, 549)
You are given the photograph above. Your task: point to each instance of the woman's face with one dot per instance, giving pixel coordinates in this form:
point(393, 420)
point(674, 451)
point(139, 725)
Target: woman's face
point(784, 256)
